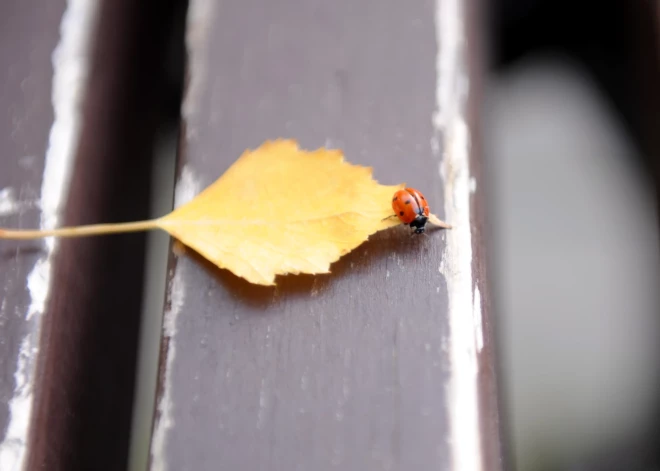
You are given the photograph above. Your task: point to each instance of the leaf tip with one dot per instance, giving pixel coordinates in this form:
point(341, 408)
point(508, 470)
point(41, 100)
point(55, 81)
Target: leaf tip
point(433, 219)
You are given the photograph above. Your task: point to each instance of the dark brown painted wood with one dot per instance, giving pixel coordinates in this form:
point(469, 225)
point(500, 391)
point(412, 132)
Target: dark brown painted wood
point(66, 396)
point(84, 397)
point(29, 31)
point(350, 370)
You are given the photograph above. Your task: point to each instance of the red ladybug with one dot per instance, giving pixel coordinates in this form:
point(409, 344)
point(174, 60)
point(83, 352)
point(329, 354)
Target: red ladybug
point(411, 208)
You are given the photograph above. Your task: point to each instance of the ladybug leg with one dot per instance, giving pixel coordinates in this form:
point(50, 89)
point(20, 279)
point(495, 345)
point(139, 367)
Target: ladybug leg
point(417, 231)
point(389, 217)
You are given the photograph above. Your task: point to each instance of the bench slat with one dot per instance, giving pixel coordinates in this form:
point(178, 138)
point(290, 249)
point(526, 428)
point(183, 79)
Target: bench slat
point(386, 363)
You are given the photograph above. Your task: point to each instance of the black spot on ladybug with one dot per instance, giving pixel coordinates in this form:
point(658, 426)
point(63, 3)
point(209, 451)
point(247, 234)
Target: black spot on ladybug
point(408, 201)
point(400, 213)
point(422, 197)
point(394, 199)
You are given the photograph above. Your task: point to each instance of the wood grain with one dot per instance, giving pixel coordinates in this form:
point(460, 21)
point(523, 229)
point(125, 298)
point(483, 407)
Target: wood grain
point(354, 370)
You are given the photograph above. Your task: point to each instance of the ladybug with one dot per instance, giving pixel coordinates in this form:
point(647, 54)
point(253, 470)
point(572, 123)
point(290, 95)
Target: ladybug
point(411, 208)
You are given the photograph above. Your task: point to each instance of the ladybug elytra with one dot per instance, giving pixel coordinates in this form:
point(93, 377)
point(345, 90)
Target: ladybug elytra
point(411, 208)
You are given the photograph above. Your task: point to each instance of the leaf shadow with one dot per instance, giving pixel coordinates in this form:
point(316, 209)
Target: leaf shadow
point(361, 260)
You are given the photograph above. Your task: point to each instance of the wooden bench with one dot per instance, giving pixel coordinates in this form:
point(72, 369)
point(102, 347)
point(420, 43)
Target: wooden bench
point(387, 363)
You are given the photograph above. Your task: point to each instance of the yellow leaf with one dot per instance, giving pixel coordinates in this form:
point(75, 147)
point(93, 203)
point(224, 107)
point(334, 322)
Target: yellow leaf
point(280, 209)
point(277, 210)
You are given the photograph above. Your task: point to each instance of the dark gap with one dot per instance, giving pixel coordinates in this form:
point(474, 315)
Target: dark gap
point(89, 346)
point(613, 40)
point(158, 253)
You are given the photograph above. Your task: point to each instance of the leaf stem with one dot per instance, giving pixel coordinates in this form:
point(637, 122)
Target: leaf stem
point(80, 231)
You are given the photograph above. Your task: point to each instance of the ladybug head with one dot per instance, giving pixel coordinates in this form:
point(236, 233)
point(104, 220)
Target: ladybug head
point(419, 224)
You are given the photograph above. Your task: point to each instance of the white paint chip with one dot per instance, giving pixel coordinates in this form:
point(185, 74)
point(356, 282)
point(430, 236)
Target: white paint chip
point(71, 66)
point(11, 205)
point(8, 203)
point(188, 187)
point(449, 121)
point(165, 421)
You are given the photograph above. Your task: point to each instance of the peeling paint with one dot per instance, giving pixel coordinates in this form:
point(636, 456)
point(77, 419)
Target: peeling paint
point(187, 188)
point(449, 122)
point(10, 205)
point(164, 406)
point(71, 66)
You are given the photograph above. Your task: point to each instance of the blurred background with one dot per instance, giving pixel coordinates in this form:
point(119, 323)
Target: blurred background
point(570, 143)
